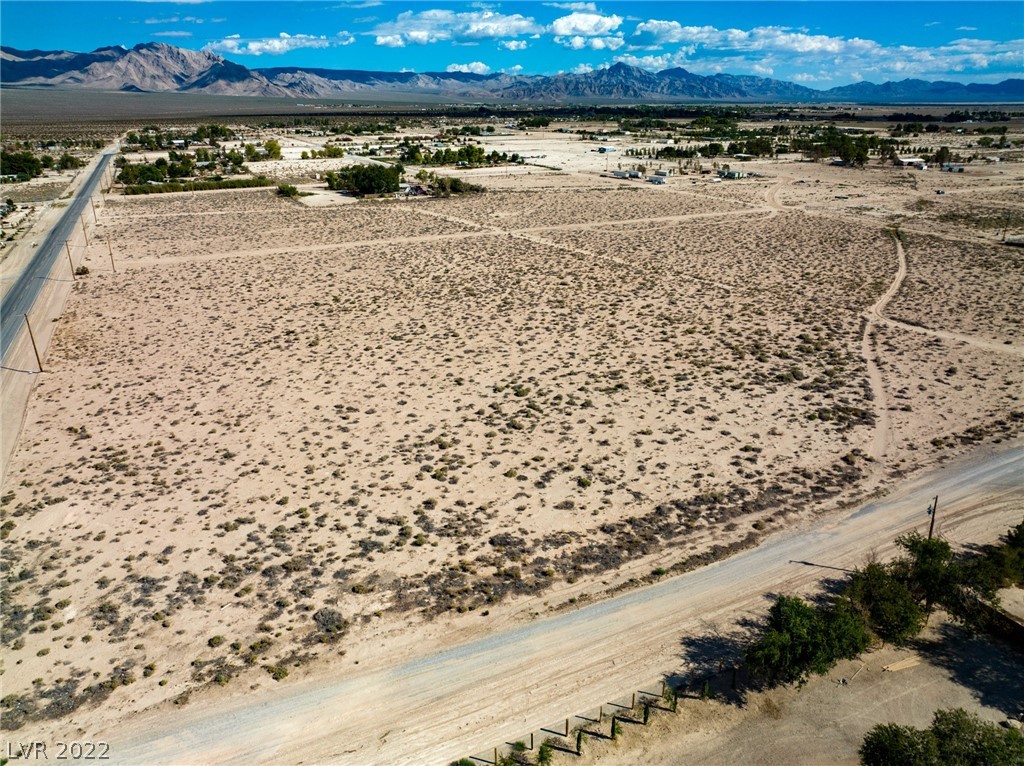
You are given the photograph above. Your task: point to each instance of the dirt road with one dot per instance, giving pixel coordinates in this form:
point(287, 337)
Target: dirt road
point(456, 701)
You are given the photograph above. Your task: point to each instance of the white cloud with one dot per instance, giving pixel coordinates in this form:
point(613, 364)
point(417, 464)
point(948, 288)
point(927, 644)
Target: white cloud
point(932, 23)
point(516, 69)
point(274, 46)
point(574, 6)
point(780, 48)
point(585, 24)
point(179, 20)
point(423, 27)
point(767, 71)
point(344, 38)
point(578, 43)
point(966, 29)
point(650, 63)
point(172, 33)
point(513, 45)
point(582, 69)
point(656, 32)
point(473, 67)
point(389, 41)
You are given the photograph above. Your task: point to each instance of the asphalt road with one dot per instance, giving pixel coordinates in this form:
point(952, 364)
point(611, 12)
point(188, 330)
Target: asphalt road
point(23, 293)
point(461, 700)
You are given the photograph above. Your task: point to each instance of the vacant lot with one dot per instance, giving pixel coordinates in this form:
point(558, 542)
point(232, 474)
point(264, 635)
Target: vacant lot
point(280, 431)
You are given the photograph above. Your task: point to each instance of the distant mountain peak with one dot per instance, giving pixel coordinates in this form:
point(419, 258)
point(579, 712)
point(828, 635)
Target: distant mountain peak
point(159, 67)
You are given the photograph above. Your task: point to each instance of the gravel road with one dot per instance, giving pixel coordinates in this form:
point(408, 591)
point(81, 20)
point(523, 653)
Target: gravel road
point(466, 699)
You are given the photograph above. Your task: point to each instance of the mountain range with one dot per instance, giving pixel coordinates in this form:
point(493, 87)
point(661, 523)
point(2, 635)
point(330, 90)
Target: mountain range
point(158, 67)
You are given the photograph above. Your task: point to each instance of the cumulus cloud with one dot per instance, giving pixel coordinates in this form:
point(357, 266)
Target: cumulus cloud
point(273, 46)
point(657, 32)
point(513, 45)
point(774, 48)
point(585, 24)
point(473, 67)
point(516, 69)
point(653, 63)
point(436, 25)
point(578, 43)
point(582, 69)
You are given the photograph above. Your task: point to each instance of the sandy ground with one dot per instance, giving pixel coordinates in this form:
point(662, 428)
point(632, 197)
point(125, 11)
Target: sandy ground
point(435, 418)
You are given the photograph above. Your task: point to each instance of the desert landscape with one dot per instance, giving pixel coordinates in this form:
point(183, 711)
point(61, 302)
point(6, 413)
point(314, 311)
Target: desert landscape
point(288, 437)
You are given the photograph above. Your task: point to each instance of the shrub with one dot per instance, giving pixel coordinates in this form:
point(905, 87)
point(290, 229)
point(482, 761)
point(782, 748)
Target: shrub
point(287, 190)
point(331, 624)
point(276, 672)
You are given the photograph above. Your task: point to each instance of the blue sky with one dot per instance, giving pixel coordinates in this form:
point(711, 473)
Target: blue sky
point(819, 44)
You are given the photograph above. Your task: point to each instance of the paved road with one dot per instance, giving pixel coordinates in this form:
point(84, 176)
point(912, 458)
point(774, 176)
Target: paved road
point(463, 700)
point(23, 293)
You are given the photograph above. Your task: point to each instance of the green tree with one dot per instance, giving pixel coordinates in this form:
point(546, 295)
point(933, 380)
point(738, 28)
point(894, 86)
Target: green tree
point(889, 744)
point(936, 576)
point(366, 179)
point(20, 164)
point(889, 605)
point(69, 162)
point(273, 149)
point(955, 738)
point(845, 631)
point(966, 740)
point(790, 647)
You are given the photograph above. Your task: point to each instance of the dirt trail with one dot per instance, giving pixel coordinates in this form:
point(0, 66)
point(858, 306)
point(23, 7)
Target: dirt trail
point(992, 346)
point(883, 436)
point(451, 702)
point(483, 231)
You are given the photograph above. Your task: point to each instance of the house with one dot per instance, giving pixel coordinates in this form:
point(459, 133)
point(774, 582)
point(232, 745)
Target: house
point(633, 174)
point(904, 162)
point(949, 167)
point(731, 174)
point(656, 180)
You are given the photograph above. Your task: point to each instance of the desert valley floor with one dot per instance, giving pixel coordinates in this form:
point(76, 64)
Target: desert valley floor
point(286, 438)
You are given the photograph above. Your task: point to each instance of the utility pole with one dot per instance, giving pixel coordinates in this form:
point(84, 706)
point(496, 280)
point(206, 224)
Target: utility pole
point(111, 251)
point(933, 509)
point(84, 232)
point(71, 263)
point(32, 338)
point(95, 218)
